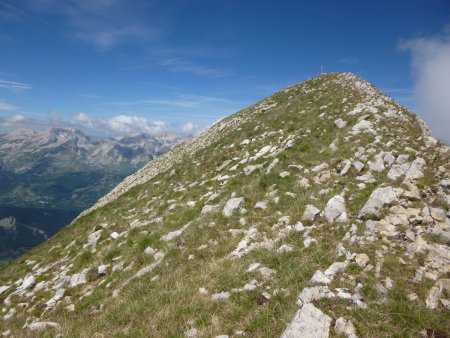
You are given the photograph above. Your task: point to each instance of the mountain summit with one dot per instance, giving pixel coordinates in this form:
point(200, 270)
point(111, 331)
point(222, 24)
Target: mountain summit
point(321, 210)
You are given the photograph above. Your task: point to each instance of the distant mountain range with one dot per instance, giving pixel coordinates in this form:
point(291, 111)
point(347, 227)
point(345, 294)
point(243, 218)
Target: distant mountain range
point(48, 177)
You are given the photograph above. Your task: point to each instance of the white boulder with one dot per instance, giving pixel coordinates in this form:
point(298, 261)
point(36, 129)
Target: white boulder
point(377, 200)
point(335, 210)
point(310, 213)
point(233, 204)
point(308, 322)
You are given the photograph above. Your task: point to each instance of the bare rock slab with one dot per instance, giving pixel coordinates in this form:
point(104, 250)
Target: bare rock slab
point(308, 322)
point(377, 200)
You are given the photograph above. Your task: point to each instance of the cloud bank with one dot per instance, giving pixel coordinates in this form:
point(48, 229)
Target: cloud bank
point(118, 125)
point(431, 70)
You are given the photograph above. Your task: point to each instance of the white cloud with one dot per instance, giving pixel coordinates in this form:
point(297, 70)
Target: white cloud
point(189, 127)
point(14, 86)
point(12, 120)
point(129, 124)
point(120, 124)
point(84, 120)
point(5, 106)
point(431, 69)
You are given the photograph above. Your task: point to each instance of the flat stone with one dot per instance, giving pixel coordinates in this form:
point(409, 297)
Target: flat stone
point(335, 268)
point(78, 278)
point(207, 208)
point(343, 167)
point(310, 294)
point(398, 170)
point(94, 237)
point(233, 205)
point(358, 165)
point(319, 168)
point(310, 213)
point(377, 200)
point(435, 293)
point(174, 234)
point(377, 165)
point(29, 281)
point(221, 295)
point(261, 205)
point(284, 174)
point(320, 278)
point(345, 327)
point(36, 326)
point(415, 170)
point(252, 168)
point(308, 322)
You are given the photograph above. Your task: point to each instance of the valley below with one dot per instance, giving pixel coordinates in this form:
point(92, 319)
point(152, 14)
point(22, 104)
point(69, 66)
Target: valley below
point(47, 178)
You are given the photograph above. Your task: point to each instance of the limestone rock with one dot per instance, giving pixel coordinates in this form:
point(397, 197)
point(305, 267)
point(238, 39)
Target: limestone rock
point(344, 167)
point(358, 165)
point(415, 170)
point(335, 268)
point(335, 210)
point(377, 165)
point(36, 326)
point(435, 293)
point(320, 278)
point(310, 294)
point(377, 200)
point(340, 123)
point(261, 205)
point(319, 168)
point(310, 213)
point(345, 327)
point(362, 260)
point(94, 237)
point(308, 322)
point(29, 281)
point(78, 278)
point(233, 204)
point(207, 208)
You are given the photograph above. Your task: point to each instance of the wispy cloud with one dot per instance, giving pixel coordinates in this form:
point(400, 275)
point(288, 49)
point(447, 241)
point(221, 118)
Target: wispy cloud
point(5, 106)
point(431, 69)
point(103, 23)
point(184, 101)
point(14, 86)
point(349, 60)
point(178, 65)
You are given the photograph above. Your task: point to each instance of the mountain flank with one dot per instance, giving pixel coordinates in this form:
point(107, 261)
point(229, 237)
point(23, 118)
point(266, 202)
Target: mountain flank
point(320, 211)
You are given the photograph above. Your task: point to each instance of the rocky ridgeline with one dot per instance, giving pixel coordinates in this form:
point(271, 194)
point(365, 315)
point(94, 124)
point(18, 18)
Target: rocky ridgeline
point(364, 214)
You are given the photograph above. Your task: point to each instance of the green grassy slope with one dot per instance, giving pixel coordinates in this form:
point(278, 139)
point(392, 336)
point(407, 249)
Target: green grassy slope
point(176, 295)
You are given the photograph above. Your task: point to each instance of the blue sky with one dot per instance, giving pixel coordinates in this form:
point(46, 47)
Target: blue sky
point(118, 66)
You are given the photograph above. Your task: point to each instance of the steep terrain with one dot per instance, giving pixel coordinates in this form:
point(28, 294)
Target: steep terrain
point(49, 177)
point(319, 211)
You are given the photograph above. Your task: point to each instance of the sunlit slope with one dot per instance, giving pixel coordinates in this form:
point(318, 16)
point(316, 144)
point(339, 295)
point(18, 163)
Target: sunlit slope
point(320, 210)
